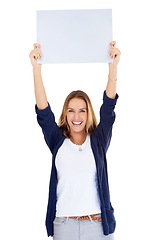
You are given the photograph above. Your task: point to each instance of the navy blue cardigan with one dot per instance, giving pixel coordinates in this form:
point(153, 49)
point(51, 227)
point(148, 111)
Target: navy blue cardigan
point(100, 140)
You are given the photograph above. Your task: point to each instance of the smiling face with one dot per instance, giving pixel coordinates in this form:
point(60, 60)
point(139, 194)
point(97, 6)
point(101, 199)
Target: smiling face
point(77, 118)
point(77, 115)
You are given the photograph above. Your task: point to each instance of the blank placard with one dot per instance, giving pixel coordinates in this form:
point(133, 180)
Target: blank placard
point(74, 36)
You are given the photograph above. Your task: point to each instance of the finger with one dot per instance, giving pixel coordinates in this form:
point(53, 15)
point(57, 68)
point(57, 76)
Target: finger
point(114, 53)
point(38, 53)
point(36, 45)
point(35, 54)
point(113, 44)
point(118, 52)
point(117, 55)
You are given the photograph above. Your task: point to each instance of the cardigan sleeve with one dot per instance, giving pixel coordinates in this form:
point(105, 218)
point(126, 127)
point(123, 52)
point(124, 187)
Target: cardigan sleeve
point(50, 129)
point(107, 119)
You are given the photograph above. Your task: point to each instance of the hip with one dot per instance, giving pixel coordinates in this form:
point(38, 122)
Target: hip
point(80, 228)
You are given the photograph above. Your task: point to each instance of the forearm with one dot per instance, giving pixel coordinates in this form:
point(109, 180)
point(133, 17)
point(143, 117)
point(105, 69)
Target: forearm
point(112, 78)
point(112, 82)
point(40, 94)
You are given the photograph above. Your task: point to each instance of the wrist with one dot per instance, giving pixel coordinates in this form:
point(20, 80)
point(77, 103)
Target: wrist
point(112, 79)
point(37, 67)
point(112, 66)
point(112, 74)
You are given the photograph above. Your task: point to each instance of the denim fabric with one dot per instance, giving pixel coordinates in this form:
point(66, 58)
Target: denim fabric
point(70, 229)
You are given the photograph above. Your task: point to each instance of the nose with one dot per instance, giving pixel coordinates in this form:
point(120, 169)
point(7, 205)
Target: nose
point(76, 115)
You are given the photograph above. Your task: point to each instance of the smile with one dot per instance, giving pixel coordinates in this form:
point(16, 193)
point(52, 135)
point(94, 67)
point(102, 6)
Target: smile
point(77, 123)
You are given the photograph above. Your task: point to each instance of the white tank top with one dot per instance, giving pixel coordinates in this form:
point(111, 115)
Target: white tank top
point(77, 193)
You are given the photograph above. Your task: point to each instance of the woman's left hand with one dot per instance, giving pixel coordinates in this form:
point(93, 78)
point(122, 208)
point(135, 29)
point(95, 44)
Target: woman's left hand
point(114, 53)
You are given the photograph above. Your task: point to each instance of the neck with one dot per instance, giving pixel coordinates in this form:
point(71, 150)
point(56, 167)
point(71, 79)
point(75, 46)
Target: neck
point(78, 139)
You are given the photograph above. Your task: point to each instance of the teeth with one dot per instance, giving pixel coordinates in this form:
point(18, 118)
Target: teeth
point(77, 123)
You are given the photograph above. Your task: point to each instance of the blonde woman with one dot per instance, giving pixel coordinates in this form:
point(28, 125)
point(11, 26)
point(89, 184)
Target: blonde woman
point(79, 205)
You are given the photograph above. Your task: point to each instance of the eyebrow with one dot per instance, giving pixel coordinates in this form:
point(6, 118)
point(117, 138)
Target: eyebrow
point(79, 108)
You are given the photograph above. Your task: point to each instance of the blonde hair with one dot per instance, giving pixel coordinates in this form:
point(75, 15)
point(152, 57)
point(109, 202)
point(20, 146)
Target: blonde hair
point(91, 119)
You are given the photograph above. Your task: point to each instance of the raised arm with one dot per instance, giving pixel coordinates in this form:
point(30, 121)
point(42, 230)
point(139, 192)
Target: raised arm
point(40, 94)
point(112, 78)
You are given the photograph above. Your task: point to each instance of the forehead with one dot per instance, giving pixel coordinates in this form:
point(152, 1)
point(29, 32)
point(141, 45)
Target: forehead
point(77, 103)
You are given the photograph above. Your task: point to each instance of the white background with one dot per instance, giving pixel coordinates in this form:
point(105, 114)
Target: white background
point(25, 160)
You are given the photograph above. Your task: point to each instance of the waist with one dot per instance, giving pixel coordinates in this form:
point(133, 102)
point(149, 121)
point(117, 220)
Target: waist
point(93, 217)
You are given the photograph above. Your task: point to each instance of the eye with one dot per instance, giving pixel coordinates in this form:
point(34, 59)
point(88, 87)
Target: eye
point(83, 110)
point(70, 110)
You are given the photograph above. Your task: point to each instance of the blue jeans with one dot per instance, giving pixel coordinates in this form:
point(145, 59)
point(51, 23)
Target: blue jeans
point(70, 229)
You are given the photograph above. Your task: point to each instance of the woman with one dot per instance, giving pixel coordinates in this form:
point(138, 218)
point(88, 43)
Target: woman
point(79, 205)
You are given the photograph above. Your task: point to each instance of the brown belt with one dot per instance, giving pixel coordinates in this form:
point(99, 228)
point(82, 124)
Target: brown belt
point(86, 218)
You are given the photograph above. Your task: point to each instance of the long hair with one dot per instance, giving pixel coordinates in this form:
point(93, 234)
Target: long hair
point(91, 119)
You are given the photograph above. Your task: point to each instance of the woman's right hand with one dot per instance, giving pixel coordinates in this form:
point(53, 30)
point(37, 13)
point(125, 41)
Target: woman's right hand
point(35, 54)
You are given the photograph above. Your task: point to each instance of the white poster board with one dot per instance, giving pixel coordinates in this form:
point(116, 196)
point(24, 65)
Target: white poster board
point(74, 36)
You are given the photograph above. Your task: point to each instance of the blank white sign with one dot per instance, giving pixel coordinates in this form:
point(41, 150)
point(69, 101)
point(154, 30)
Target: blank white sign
point(74, 36)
